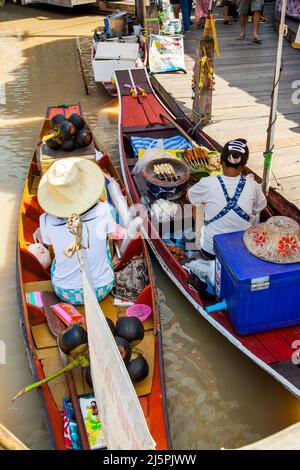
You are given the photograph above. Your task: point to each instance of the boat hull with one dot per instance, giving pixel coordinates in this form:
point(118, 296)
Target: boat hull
point(271, 350)
point(154, 404)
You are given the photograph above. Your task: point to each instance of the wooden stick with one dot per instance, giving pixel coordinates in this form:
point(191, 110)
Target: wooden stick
point(81, 66)
point(9, 441)
point(202, 104)
point(168, 118)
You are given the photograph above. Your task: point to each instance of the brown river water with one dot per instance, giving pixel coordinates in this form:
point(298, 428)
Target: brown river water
point(216, 396)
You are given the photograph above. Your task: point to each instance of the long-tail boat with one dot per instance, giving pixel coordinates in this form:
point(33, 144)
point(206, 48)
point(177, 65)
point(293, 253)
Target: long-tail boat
point(143, 115)
point(41, 345)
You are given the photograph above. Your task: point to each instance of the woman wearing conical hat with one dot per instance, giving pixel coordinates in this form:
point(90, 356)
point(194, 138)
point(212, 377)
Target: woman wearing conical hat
point(74, 186)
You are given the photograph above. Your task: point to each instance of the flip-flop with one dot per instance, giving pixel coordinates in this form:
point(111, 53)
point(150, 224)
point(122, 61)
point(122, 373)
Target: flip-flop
point(241, 37)
point(258, 40)
point(227, 22)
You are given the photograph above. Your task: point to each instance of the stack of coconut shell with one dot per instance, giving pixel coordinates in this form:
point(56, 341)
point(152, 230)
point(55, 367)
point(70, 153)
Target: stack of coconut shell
point(68, 134)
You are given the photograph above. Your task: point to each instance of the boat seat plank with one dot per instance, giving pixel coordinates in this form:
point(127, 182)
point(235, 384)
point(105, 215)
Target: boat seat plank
point(51, 362)
point(38, 286)
point(43, 337)
point(137, 113)
point(250, 341)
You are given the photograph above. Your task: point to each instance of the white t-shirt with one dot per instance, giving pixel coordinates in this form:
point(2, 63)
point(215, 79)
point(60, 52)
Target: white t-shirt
point(54, 232)
point(210, 192)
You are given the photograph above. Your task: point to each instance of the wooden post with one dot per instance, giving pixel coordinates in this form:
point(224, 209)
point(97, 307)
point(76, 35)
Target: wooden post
point(82, 66)
point(202, 105)
point(140, 11)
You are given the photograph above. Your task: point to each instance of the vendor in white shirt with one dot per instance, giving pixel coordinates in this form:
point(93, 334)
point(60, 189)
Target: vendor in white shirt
point(74, 186)
point(232, 201)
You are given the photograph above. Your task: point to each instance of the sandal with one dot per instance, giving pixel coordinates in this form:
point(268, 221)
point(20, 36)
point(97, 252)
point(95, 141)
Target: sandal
point(257, 39)
point(227, 22)
point(241, 37)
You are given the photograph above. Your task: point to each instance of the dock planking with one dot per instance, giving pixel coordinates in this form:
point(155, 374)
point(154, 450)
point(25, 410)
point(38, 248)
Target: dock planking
point(241, 101)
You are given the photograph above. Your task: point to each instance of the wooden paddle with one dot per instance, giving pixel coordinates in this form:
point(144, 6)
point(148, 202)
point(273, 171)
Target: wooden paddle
point(57, 326)
point(168, 118)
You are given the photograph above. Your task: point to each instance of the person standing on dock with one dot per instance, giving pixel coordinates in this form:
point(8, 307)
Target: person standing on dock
point(201, 12)
point(176, 7)
point(243, 8)
point(186, 11)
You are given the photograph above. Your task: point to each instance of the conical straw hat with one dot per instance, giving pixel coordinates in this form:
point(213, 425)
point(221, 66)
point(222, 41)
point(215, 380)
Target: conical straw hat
point(70, 186)
point(277, 240)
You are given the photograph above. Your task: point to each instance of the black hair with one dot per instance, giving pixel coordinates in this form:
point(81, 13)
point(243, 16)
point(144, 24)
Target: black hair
point(235, 153)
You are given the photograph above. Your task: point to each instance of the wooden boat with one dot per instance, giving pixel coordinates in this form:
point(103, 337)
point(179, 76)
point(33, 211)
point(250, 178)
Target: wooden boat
point(116, 53)
point(141, 116)
point(41, 345)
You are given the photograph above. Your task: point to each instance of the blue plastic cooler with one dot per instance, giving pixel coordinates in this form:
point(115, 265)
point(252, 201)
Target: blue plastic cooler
point(259, 295)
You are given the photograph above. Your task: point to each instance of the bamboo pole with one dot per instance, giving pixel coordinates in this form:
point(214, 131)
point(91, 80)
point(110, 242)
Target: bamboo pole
point(273, 110)
point(9, 441)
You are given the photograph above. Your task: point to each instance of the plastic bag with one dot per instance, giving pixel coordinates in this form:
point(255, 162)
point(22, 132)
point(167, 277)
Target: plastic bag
point(203, 269)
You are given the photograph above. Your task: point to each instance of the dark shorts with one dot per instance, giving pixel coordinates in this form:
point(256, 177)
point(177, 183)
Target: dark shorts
point(174, 2)
point(244, 5)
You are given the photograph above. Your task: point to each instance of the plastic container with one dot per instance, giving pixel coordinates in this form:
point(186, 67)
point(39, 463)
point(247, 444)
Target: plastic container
point(141, 311)
point(260, 296)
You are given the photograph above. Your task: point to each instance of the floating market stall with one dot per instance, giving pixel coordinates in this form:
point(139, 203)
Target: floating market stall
point(256, 315)
point(110, 394)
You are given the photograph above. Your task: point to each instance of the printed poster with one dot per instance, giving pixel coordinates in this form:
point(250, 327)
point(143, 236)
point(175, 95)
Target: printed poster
point(166, 53)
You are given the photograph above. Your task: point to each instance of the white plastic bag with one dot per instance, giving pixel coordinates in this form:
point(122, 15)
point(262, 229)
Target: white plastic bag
point(203, 269)
point(41, 253)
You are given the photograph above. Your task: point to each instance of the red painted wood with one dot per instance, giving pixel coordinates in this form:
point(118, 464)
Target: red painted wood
point(275, 344)
point(250, 341)
point(289, 335)
point(132, 113)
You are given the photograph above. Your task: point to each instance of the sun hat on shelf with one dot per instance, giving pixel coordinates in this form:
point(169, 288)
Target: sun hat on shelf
point(70, 186)
point(277, 240)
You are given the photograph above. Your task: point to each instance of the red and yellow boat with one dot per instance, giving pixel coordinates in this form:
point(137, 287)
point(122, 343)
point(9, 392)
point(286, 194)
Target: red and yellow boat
point(41, 345)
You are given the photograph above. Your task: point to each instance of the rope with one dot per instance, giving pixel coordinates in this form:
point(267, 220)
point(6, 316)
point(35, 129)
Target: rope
point(75, 226)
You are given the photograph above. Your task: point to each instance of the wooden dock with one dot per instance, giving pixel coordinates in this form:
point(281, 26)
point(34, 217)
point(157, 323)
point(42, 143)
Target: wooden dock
point(244, 79)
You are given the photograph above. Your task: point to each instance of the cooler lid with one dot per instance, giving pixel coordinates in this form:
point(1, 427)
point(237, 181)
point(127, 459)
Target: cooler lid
point(231, 251)
point(117, 51)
